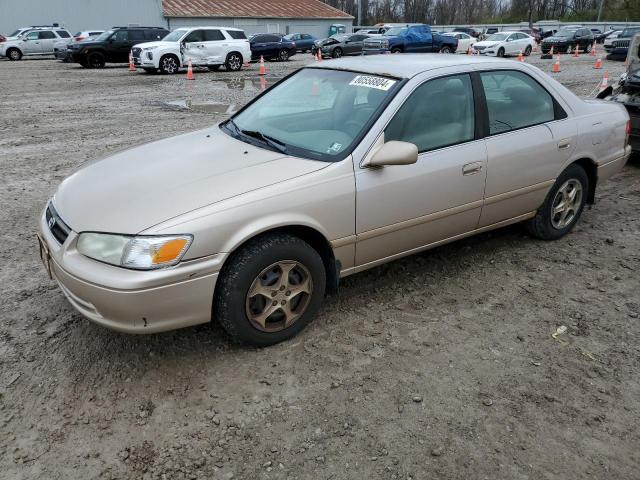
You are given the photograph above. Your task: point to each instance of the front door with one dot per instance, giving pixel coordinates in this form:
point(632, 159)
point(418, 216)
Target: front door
point(119, 47)
point(31, 44)
point(528, 143)
point(403, 208)
point(194, 48)
point(215, 44)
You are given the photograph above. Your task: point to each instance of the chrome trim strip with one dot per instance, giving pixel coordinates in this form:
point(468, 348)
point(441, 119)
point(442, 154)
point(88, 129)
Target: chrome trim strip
point(520, 191)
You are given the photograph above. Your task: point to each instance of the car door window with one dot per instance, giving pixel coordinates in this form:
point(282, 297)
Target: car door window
point(121, 36)
point(46, 35)
point(213, 36)
point(237, 34)
point(438, 113)
point(515, 100)
point(195, 36)
point(63, 34)
point(32, 36)
point(136, 35)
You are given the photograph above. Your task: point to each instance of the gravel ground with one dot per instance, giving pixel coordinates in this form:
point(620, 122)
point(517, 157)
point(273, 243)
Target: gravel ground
point(441, 365)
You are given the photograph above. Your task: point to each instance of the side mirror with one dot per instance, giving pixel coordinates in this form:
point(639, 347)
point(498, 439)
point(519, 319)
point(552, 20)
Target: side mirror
point(394, 153)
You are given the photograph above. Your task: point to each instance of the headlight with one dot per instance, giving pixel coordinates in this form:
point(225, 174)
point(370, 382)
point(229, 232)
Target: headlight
point(139, 253)
point(385, 43)
point(149, 48)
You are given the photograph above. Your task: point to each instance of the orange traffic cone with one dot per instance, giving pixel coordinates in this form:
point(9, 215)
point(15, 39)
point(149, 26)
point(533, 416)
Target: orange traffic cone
point(263, 70)
point(605, 81)
point(520, 57)
point(598, 64)
point(132, 67)
point(556, 66)
point(575, 52)
point(190, 71)
point(593, 50)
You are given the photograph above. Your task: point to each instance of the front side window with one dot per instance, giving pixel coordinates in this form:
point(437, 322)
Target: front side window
point(438, 113)
point(515, 100)
point(195, 36)
point(121, 36)
point(315, 113)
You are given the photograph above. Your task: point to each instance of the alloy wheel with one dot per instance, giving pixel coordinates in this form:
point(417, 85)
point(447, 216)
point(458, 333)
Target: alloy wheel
point(234, 62)
point(566, 204)
point(284, 55)
point(14, 55)
point(169, 65)
point(279, 296)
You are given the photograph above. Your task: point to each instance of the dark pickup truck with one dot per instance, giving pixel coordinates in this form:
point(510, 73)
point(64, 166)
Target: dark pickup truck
point(411, 38)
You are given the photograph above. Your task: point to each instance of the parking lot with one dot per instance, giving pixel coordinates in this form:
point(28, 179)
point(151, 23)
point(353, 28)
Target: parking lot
point(441, 365)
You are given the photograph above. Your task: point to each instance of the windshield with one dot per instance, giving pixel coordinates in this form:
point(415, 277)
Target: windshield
point(174, 36)
point(630, 32)
point(565, 33)
point(317, 114)
point(395, 31)
point(104, 36)
point(16, 33)
point(498, 37)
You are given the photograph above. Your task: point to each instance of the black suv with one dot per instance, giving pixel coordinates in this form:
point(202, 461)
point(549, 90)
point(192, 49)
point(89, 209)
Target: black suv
point(565, 40)
point(113, 46)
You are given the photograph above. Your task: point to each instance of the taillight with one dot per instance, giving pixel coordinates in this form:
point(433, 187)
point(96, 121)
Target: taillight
point(79, 39)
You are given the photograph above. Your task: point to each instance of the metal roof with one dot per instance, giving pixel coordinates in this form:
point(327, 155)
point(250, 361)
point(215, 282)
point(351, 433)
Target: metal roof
point(408, 65)
point(251, 9)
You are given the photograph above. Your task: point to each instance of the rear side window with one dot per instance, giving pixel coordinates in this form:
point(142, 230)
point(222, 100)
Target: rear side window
point(271, 38)
point(46, 35)
point(153, 34)
point(63, 34)
point(213, 35)
point(438, 113)
point(237, 34)
point(135, 35)
point(515, 100)
point(195, 36)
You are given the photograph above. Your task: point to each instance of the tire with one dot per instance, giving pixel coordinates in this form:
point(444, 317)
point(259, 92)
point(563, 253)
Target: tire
point(546, 225)
point(96, 60)
point(336, 53)
point(445, 50)
point(527, 51)
point(396, 50)
point(169, 64)
point(214, 68)
point(587, 49)
point(14, 54)
point(84, 63)
point(570, 49)
point(247, 269)
point(150, 70)
point(233, 63)
point(283, 55)
point(501, 52)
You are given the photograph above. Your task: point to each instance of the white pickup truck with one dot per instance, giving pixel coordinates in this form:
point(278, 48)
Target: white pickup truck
point(204, 46)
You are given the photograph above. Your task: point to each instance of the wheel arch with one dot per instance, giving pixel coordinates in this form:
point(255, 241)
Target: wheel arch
point(170, 54)
point(591, 168)
point(14, 47)
point(308, 233)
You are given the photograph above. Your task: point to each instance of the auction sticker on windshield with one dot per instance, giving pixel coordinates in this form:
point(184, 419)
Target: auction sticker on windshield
point(373, 82)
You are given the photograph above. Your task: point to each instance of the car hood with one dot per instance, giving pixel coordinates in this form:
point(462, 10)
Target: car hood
point(159, 43)
point(138, 188)
point(486, 43)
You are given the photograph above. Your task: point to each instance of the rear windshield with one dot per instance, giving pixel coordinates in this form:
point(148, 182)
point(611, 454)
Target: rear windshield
point(237, 34)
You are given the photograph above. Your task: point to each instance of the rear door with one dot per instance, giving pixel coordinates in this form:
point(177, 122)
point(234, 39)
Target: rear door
point(47, 39)
point(529, 141)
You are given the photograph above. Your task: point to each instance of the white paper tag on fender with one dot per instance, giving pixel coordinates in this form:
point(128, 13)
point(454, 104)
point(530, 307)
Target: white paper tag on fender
point(369, 81)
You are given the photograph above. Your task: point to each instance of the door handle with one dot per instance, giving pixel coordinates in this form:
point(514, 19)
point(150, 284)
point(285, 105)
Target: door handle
point(471, 168)
point(564, 144)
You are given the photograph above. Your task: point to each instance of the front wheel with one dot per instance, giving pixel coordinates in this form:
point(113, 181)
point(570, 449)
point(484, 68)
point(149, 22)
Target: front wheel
point(587, 49)
point(14, 54)
point(396, 50)
point(501, 52)
point(169, 65)
point(527, 51)
point(233, 62)
point(269, 290)
point(337, 53)
point(283, 55)
point(96, 60)
point(445, 50)
point(562, 206)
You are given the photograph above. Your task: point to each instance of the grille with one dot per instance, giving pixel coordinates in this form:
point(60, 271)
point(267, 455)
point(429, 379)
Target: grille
point(480, 48)
point(58, 228)
point(621, 43)
point(373, 43)
point(135, 53)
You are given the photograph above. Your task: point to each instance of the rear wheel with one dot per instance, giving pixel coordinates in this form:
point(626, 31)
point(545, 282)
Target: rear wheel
point(587, 49)
point(269, 290)
point(169, 64)
point(96, 60)
point(233, 62)
point(14, 54)
point(337, 53)
point(563, 205)
point(527, 51)
point(396, 50)
point(445, 49)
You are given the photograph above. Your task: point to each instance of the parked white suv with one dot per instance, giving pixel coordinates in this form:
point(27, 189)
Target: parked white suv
point(39, 41)
point(204, 46)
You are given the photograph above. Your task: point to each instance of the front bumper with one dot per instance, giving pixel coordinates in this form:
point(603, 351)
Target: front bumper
point(132, 301)
point(374, 51)
point(557, 47)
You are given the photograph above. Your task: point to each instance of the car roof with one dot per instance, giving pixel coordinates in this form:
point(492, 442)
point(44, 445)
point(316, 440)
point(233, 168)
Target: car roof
point(407, 65)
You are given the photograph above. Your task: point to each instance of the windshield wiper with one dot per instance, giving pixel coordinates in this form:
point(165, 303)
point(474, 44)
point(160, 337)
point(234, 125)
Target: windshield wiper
point(272, 142)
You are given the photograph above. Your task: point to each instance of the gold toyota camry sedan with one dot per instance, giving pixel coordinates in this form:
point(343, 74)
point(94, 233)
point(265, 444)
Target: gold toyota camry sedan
point(342, 166)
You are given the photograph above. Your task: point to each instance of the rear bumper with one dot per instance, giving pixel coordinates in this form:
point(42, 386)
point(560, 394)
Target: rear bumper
point(609, 169)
